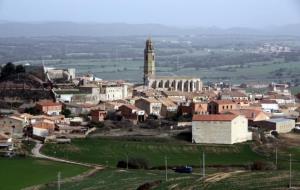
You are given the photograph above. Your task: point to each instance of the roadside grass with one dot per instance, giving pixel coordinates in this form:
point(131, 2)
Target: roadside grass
point(108, 151)
point(18, 173)
point(122, 179)
point(257, 180)
point(132, 179)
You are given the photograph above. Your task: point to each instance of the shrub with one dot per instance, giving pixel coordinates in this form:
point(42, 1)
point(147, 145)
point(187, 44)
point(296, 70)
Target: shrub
point(275, 134)
point(149, 185)
point(263, 165)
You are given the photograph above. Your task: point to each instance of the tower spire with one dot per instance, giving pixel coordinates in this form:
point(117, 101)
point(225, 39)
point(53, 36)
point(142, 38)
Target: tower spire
point(149, 61)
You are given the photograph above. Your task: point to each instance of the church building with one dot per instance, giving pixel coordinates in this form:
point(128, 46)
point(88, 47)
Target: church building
point(170, 83)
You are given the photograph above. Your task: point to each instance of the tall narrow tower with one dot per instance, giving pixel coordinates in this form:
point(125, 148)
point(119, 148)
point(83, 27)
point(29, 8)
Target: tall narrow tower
point(149, 61)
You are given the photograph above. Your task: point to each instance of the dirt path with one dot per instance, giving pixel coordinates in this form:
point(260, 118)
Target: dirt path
point(220, 176)
point(36, 153)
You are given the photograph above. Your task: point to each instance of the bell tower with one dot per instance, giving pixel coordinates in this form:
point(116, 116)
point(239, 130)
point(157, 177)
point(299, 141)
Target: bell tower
point(149, 61)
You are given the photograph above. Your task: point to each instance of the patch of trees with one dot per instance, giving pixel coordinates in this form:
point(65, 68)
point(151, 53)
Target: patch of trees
point(11, 69)
point(66, 112)
point(33, 111)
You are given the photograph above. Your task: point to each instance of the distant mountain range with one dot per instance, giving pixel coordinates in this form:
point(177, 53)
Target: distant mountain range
point(18, 29)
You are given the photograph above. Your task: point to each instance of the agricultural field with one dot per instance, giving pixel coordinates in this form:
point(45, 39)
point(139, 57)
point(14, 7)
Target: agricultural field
point(132, 70)
point(230, 175)
point(128, 179)
point(108, 151)
point(18, 173)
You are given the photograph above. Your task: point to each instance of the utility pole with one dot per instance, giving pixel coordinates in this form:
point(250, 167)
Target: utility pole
point(203, 164)
point(127, 160)
point(290, 184)
point(276, 156)
point(58, 180)
point(166, 164)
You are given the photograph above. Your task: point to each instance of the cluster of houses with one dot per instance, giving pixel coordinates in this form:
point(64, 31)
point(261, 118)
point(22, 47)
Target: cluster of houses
point(217, 114)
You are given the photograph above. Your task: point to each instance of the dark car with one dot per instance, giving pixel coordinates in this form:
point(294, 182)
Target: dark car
point(184, 169)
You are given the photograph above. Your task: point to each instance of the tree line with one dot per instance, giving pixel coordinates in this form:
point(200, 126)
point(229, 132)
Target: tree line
point(11, 69)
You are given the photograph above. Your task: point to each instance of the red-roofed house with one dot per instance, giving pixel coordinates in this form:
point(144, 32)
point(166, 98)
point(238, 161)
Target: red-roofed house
point(43, 128)
point(233, 95)
point(251, 114)
point(49, 107)
point(98, 115)
point(219, 106)
point(220, 129)
point(131, 112)
point(200, 107)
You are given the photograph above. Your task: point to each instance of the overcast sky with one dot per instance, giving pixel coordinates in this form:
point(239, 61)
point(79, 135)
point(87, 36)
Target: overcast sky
point(221, 13)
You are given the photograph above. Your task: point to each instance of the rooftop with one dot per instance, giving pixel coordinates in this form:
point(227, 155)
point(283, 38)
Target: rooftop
point(248, 113)
point(277, 120)
point(267, 101)
point(223, 101)
point(214, 117)
point(48, 103)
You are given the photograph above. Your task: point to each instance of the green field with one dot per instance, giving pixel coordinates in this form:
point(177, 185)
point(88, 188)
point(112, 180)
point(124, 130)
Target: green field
point(132, 70)
point(19, 173)
point(131, 179)
point(109, 151)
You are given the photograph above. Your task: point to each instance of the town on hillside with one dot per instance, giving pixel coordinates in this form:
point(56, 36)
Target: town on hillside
point(48, 105)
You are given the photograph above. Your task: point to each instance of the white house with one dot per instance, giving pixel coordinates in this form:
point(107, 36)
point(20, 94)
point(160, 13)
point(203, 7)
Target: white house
point(113, 91)
point(220, 129)
point(150, 105)
point(269, 106)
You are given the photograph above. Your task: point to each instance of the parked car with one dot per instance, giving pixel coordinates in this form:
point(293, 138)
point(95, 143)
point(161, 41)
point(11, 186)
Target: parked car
point(184, 169)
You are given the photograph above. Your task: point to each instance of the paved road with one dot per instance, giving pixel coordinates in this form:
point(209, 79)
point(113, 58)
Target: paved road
point(36, 153)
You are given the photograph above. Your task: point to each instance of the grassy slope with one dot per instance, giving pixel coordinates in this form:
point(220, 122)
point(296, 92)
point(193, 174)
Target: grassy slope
point(23, 172)
point(110, 151)
point(180, 154)
point(121, 179)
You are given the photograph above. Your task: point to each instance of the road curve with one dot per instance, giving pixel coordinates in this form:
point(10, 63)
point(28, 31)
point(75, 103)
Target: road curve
point(36, 153)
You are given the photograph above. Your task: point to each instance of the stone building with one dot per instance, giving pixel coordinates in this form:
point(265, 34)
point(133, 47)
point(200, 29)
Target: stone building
point(13, 125)
point(220, 129)
point(171, 83)
point(151, 105)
